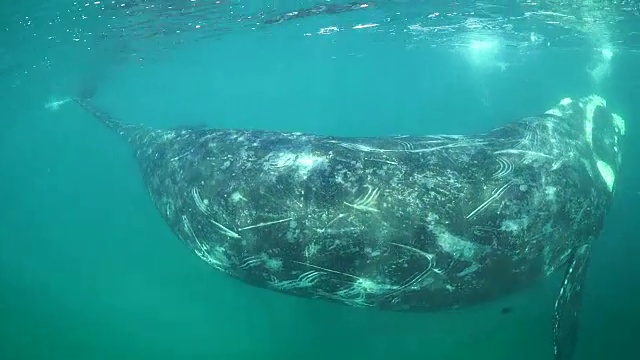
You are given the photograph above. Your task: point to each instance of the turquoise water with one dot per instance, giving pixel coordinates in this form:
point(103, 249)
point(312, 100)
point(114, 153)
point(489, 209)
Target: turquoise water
point(88, 269)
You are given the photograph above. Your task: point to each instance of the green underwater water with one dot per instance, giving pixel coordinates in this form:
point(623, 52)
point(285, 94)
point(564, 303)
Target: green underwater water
point(88, 269)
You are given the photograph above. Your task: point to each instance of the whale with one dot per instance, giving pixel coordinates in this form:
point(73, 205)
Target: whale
point(396, 223)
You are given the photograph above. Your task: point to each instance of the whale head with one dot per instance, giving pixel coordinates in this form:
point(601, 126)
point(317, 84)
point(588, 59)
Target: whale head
point(601, 129)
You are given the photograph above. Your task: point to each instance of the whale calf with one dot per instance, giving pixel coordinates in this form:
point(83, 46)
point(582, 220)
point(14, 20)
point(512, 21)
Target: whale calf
point(399, 223)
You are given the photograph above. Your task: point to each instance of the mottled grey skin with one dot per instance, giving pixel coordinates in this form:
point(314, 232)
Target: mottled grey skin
point(398, 223)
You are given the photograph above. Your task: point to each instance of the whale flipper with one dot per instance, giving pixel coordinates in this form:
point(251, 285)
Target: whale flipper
point(567, 308)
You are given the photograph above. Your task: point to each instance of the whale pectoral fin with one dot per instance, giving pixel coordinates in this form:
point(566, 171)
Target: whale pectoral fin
point(567, 309)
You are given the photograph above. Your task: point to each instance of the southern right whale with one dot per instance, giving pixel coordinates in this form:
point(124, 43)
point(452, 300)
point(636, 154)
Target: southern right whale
point(402, 223)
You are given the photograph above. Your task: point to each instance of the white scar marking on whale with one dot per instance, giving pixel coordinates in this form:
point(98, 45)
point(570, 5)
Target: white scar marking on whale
point(251, 261)
point(455, 245)
point(307, 279)
point(406, 145)
point(200, 203)
point(272, 264)
point(265, 224)
point(414, 281)
point(303, 162)
point(505, 167)
point(514, 225)
point(186, 153)
point(525, 152)
point(236, 196)
point(306, 162)
point(325, 269)
point(358, 291)
point(383, 161)
point(224, 230)
point(495, 194)
point(311, 250)
point(365, 201)
point(550, 192)
point(214, 257)
point(462, 142)
point(355, 294)
point(340, 216)
point(169, 207)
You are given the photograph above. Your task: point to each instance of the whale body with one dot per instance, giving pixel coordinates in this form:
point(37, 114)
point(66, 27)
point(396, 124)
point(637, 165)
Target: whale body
point(400, 223)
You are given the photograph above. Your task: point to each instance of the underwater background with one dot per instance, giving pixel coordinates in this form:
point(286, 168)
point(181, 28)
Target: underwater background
point(88, 269)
